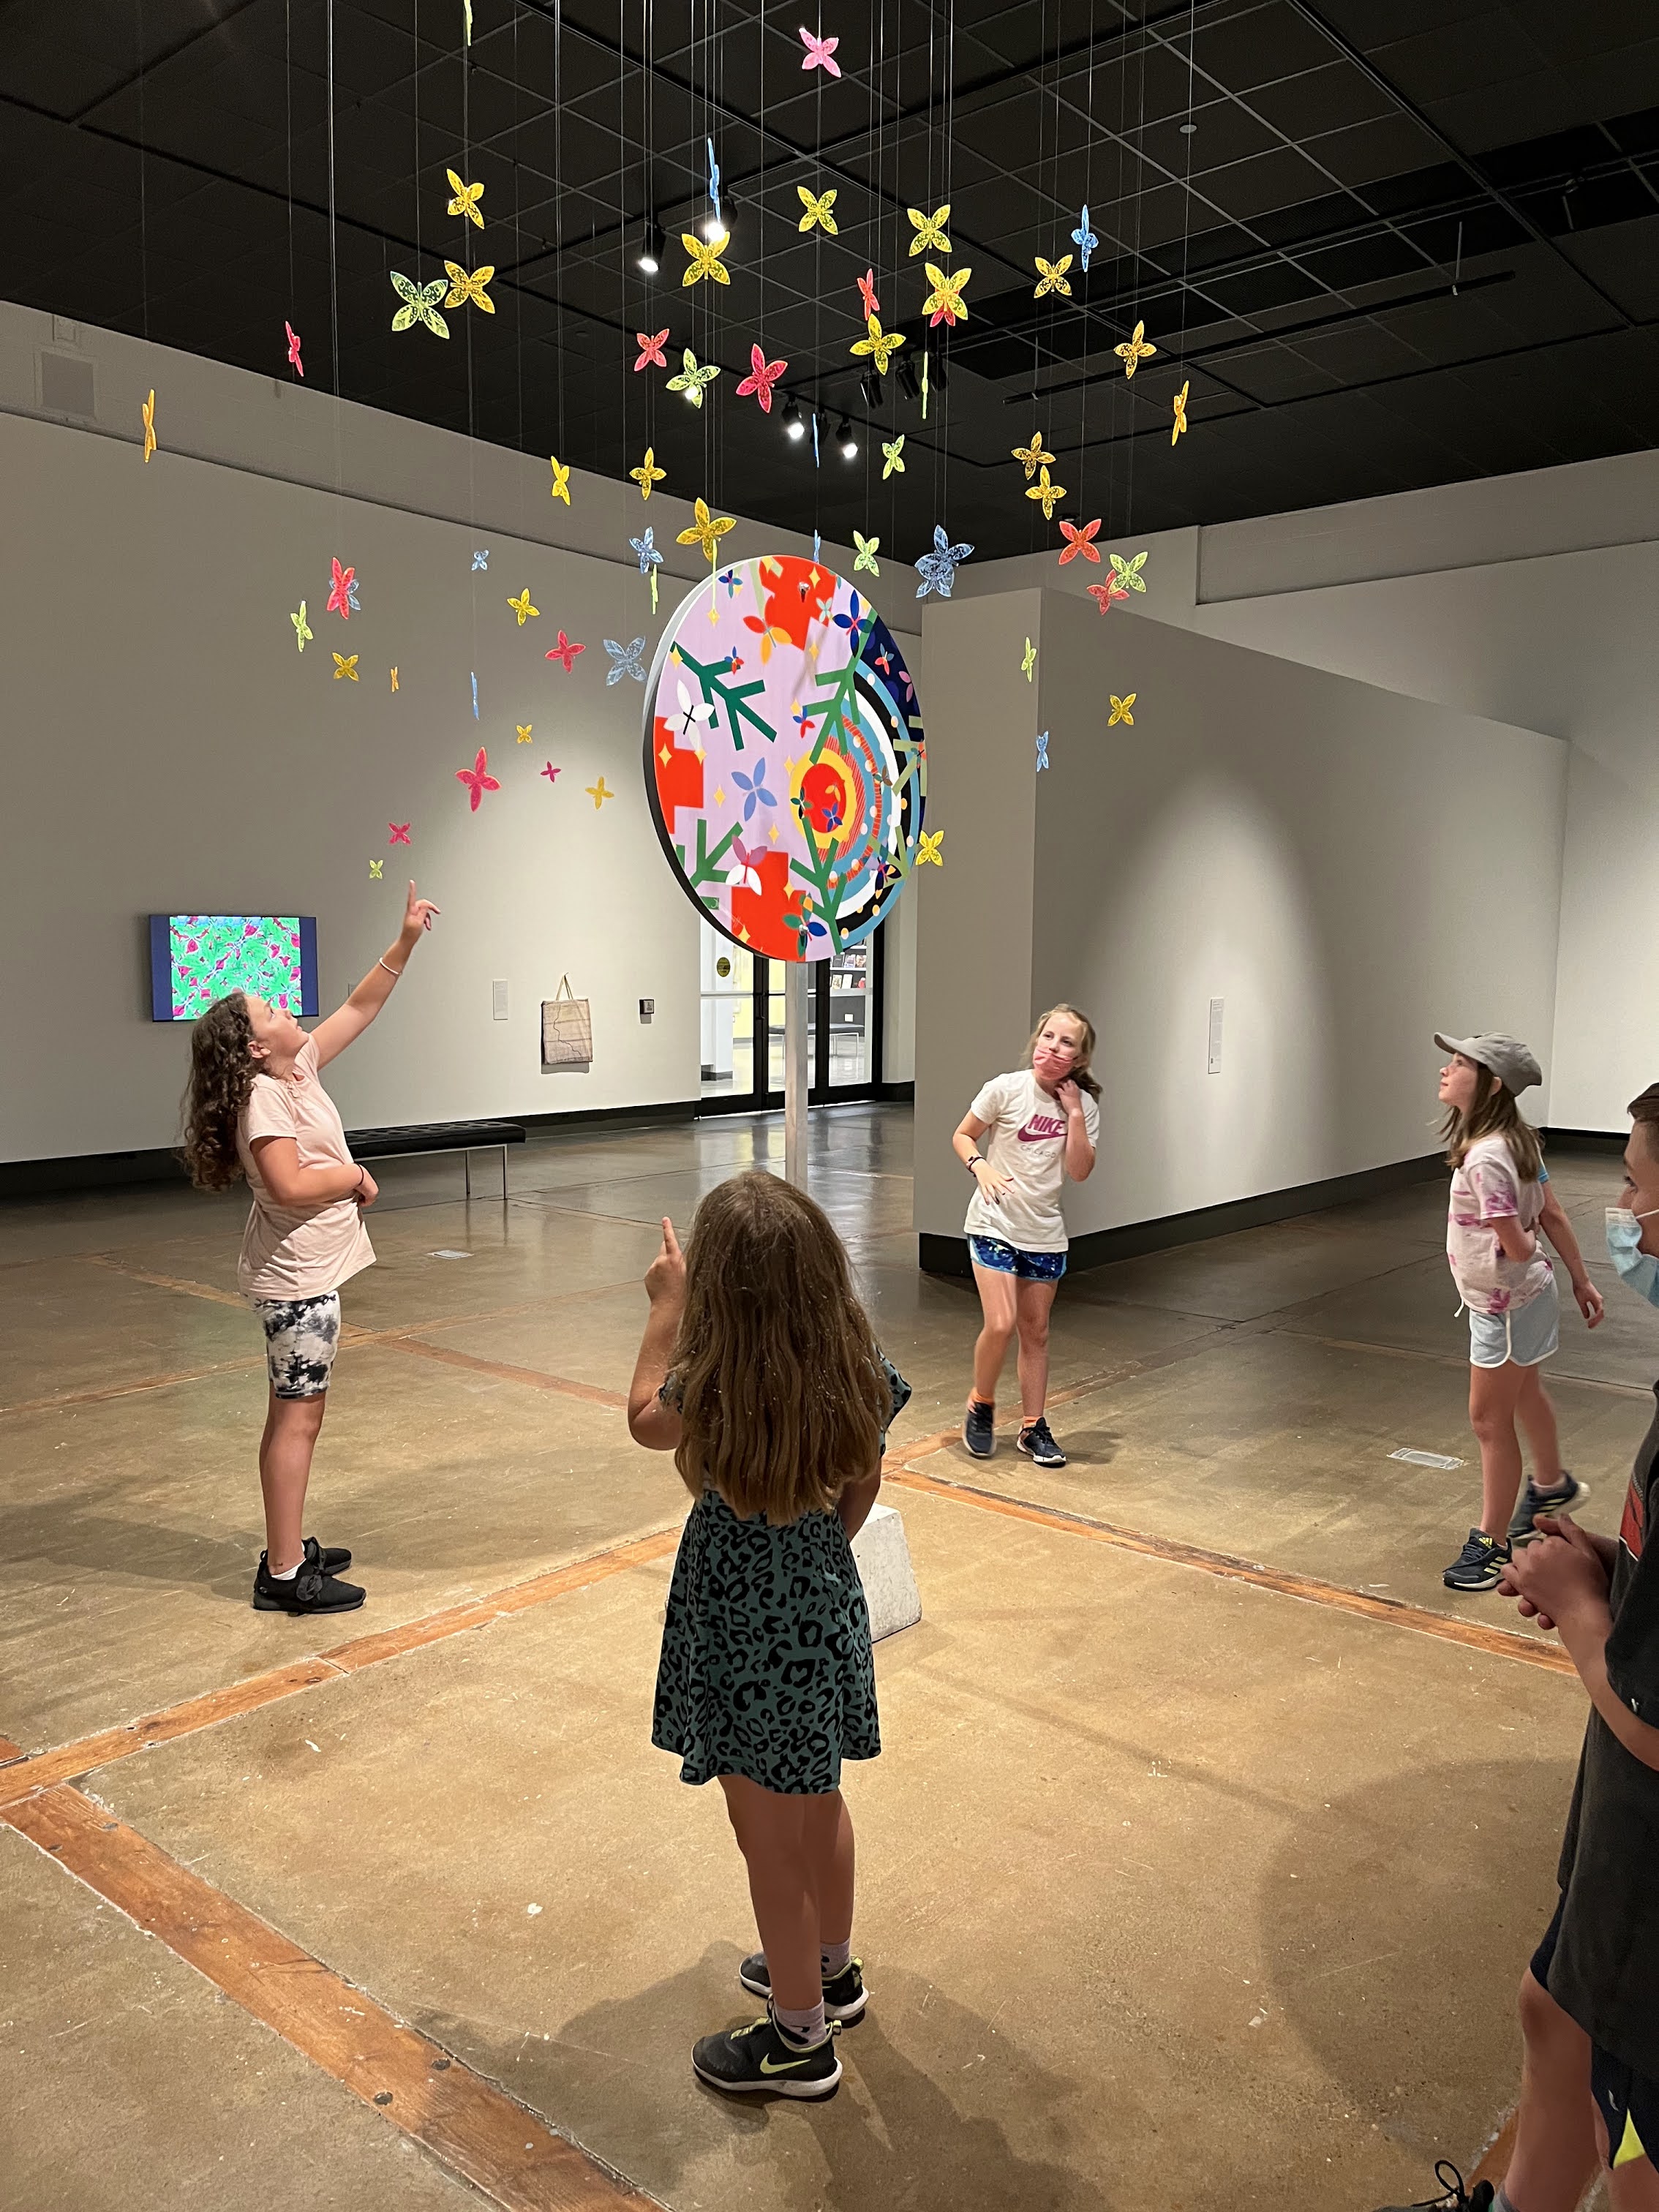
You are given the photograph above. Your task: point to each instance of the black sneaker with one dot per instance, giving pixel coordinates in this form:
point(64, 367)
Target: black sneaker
point(1480, 1563)
point(1453, 2197)
point(1534, 1500)
point(761, 2056)
point(1037, 1441)
point(979, 1429)
point(312, 1590)
point(844, 1994)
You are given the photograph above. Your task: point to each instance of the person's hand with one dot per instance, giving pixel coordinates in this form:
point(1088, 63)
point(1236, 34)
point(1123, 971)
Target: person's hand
point(1068, 1096)
point(991, 1184)
point(368, 1189)
point(665, 1279)
point(1589, 1302)
point(1562, 1570)
point(419, 914)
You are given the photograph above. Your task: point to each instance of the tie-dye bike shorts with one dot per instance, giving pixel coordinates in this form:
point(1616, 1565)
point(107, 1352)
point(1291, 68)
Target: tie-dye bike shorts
point(301, 1337)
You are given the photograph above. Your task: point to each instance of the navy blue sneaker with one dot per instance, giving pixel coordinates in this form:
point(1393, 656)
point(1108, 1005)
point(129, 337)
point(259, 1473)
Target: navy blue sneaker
point(1037, 1441)
point(1480, 1563)
point(1533, 1500)
point(979, 1429)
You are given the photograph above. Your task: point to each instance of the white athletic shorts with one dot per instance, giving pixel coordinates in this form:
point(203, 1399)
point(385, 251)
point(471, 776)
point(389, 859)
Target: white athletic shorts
point(1528, 1334)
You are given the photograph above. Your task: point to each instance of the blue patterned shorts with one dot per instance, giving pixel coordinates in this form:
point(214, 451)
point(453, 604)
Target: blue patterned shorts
point(301, 1337)
point(1010, 1259)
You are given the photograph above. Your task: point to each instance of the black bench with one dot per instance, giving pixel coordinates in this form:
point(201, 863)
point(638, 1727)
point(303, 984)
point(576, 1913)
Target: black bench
point(422, 1138)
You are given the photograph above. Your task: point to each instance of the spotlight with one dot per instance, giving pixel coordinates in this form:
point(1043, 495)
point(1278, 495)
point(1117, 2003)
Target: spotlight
point(793, 425)
point(713, 228)
point(870, 386)
point(846, 440)
point(649, 257)
point(909, 383)
point(938, 376)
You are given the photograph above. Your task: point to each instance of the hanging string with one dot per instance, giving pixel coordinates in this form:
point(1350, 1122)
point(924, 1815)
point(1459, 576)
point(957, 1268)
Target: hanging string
point(144, 184)
point(1132, 403)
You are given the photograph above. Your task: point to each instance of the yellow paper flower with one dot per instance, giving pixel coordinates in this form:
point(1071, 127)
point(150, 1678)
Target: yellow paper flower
point(1049, 495)
point(819, 211)
point(560, 485)
point(648, 473)
point(1179, 403)
point(1054, 276)
point(469, 284)
point(705, 260)
point(928, 849)
point(707, 529)
point(867, 550)
point(147, 409)
point(1135, 351)
point(1121, 709)
point(345, 664)
point(892, 457)
point(466, 199)
point(944, 303)
point(522, 606)
point(930, 230)
point(1031, 457)
point(879, 344)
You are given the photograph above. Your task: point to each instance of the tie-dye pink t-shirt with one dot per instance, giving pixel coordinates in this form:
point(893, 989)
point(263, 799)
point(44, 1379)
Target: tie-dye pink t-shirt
point(1485, 1189)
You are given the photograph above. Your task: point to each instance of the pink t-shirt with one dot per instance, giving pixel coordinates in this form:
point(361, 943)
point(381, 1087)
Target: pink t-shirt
point(1485, 1189)
point(297, 1251)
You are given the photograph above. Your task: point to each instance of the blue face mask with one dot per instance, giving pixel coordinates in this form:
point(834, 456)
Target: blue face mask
point(1638, 1269)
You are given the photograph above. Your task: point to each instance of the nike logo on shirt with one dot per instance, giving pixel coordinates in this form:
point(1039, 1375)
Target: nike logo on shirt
point(1040, 1129)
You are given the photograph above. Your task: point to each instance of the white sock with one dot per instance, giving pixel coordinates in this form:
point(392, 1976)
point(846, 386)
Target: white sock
point(288, 1573)
point(835, 1958)
point(806, 2027)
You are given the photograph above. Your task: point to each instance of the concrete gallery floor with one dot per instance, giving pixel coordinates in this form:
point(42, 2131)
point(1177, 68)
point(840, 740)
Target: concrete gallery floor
point(1210, 1839)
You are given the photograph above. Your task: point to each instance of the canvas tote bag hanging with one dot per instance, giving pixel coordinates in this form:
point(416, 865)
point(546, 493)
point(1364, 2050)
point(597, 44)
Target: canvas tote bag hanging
point(567, 1029)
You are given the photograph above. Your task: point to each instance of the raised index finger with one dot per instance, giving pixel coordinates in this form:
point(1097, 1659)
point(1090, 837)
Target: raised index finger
point(670, 1242)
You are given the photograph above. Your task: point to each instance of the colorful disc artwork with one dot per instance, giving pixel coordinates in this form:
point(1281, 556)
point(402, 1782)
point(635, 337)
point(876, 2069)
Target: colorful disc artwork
point(784, 757)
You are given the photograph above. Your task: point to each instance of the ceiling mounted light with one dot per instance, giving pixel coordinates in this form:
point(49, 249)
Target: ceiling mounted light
point(906, 377)
point(938, 374)
point(870, 386)
point(793, 425)
point(649, 257)
point(846, 439)
point(713, 228)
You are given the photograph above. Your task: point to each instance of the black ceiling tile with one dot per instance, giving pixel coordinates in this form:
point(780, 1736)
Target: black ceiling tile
point(1259, 46)
point(1331, 98)
point(1270, 181)
point(1366, 152)
point(1272, 372)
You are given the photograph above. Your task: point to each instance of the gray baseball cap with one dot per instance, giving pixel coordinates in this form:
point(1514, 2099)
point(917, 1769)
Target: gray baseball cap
point(1507, 1057)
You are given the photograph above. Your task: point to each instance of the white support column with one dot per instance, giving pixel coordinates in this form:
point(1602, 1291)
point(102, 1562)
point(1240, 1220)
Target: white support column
point(796, 1074)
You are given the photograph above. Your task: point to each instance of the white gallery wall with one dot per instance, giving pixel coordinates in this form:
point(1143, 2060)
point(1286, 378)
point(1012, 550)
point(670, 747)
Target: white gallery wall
point(166, 747)
point(1527, 599)
point(1294, 843)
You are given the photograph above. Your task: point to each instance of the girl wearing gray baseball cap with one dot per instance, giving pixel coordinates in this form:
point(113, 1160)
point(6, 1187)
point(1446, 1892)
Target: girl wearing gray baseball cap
point(1501, 1207)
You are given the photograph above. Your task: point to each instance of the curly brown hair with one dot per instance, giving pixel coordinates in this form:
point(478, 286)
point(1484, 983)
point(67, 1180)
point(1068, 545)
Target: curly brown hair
point(782, 1395)
point(221, 1072)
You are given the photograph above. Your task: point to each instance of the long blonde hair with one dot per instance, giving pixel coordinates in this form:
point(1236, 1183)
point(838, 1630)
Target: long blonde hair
point(782, 1392)
point(1494, 1114)
point(1080, 1074)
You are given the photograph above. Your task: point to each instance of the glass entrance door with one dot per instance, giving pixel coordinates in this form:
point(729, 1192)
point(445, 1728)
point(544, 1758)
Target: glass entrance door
point(742, 1042)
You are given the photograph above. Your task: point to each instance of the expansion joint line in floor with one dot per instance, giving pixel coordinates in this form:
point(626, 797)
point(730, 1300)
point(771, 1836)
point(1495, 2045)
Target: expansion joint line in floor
point(1474, 1635)
point(470, 2125)
point(25, 1777)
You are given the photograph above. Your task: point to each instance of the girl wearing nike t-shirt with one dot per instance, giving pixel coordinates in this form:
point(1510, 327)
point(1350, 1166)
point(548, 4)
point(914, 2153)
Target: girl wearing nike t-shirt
point(1042, 1123)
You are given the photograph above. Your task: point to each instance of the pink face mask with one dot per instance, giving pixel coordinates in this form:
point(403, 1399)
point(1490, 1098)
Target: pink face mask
point(1046, 1061)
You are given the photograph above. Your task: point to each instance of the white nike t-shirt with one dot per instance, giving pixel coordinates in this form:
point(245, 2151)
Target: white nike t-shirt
point(1024, 1140)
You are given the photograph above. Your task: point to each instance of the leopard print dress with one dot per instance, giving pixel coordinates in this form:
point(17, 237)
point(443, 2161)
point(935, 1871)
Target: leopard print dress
point(766, 1669)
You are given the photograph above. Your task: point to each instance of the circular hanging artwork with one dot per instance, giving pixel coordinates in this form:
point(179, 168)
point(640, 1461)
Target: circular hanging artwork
point(784, 757)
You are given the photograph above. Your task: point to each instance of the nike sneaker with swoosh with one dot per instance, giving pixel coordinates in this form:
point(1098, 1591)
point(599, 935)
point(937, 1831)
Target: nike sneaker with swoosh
point(761, 2056)
point(844, 1994)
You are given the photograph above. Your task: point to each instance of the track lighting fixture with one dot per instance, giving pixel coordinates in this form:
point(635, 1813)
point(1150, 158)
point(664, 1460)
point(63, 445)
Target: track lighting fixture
point(870, 386)
point(793, 425)
point(649, 257)
point(846, 440)
point(909, 383)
